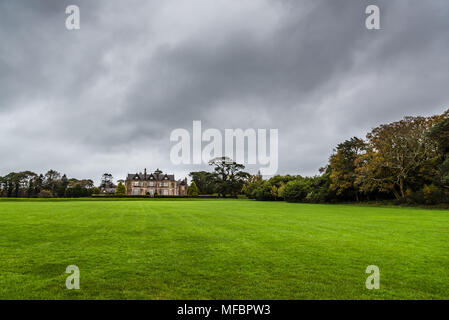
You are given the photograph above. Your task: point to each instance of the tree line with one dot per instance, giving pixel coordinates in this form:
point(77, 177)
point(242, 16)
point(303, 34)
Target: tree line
point(405, 161)
point(227, 179)
point(27, 184)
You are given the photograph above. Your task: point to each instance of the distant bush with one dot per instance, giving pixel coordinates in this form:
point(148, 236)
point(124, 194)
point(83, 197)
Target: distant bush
point(78, 192)
point(429, 195)
point(120, 190)
point(193, 190)
point(105, 196)
point(250, 188)
point(45, 194)
point(265, 192)
point(297, 190)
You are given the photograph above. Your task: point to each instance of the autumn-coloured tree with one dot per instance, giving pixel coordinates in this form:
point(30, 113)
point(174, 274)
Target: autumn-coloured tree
point(397, 154)
point(440, 134)
point(342, 165)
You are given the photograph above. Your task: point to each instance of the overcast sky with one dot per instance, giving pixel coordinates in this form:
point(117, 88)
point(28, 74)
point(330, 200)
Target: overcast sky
point(105, 98)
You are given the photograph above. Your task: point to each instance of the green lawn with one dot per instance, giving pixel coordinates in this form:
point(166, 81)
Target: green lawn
point(220, 249)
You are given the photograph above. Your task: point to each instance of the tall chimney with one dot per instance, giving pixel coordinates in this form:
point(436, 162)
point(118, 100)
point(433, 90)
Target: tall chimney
point(145, 174)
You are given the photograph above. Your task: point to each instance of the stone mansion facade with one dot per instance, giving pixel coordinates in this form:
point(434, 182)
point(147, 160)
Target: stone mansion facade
point(156, 183)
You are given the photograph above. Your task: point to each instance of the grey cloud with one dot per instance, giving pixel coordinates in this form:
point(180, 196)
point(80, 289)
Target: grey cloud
point(106, 97)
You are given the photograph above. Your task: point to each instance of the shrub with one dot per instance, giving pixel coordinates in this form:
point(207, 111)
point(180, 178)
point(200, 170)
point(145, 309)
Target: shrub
point(264, 192)
point(193, 190)
point(249, 189)
point(120, 190)
point(297, 190)
point(429, 194)
point(281, 191)
point(78, 191)
point(433, 194)
point(45, 194)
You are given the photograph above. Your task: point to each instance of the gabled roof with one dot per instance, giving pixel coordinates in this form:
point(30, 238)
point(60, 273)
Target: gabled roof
point(151, 176)
point(134, 177)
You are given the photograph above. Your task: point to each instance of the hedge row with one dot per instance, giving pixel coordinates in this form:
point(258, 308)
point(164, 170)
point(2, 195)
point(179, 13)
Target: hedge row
point(155, 196)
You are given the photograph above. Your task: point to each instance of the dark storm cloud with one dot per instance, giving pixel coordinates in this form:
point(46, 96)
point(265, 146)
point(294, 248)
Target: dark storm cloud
point(106, 97)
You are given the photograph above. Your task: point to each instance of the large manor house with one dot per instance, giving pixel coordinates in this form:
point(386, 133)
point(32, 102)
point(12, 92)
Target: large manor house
point(156, 183)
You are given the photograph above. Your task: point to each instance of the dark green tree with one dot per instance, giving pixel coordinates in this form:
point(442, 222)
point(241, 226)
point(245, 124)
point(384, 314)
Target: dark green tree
point(205, 181)
point(106, 180)
point(121, 189)
point(193, 190)
point(229, 175)
point(342, 168)
point(440, 134)
point(297, 190)
point(51, 181)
